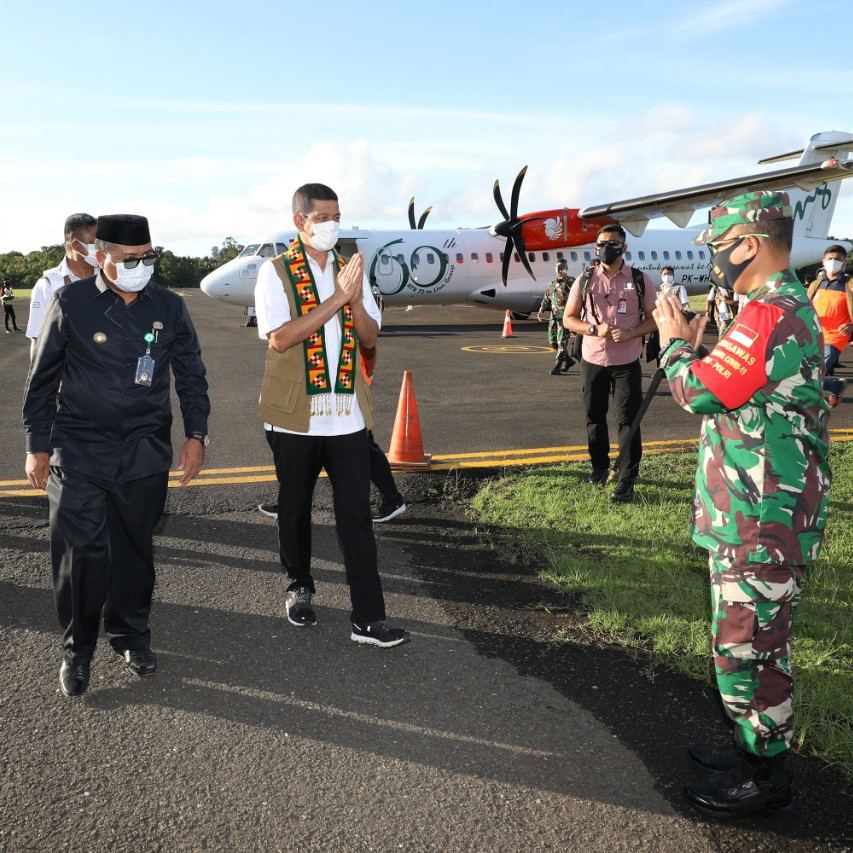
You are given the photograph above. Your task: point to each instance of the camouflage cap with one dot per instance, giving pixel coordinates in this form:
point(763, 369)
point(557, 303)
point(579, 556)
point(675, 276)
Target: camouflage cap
point(745, 208)
point(562, 264)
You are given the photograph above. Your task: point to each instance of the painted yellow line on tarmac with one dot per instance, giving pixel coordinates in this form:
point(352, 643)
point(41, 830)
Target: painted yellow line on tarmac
point(506, 349)
point(443, 462)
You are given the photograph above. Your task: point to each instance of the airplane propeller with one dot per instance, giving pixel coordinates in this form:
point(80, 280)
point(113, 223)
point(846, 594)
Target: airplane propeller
point(421, 221)
point(510, 228)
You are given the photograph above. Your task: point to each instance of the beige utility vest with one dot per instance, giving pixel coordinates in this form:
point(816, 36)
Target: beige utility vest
point(284, 400)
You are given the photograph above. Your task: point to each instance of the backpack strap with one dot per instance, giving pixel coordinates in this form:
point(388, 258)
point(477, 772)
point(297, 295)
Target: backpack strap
point(640, 284)
point(586, 275)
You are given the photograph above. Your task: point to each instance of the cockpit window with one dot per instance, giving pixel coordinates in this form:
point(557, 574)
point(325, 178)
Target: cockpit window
point(249, 250)
point(267, 251)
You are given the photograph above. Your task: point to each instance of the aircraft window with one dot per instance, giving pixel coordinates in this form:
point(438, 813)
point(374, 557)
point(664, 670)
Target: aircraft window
point(460, 258)
point(690, 255)
point(445, 257)
point(416, 259)
point(666, 256)
point(401, 260)
point(701, 255)
point(489, 257)
point(654, 256)
point(517, 259)
point(678, 256)
point(531, 256)
point(430, 258)
point(627, 256)
point(574, 256)
point(560, 257)
point(546, 256)
point(587, 257)
point(267, 251)
point(249, 250)
point(475, 257)
point(384, 260)
point(641, 255)
point(280, 248)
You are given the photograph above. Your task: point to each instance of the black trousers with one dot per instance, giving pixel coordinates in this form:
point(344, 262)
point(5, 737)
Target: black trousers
point(9, 314)
point(298, 462)
point(627, 383)
point(102, 554)
point(380, 473)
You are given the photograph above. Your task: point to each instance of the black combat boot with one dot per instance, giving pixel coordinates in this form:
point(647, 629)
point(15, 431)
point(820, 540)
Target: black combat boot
point(568, 362)
point(756, 784)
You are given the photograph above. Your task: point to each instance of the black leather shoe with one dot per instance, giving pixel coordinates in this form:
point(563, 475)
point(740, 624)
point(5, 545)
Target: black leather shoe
point(598, 476)
point(74, 678)
point(735, 795)
point(624, 492)
point(555, 370)
point(140, 662)
point(715, 757)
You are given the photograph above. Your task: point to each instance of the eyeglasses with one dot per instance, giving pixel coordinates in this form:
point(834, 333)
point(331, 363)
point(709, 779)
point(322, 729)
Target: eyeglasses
point(133, 263)
point(614, 244)
point(714, 246)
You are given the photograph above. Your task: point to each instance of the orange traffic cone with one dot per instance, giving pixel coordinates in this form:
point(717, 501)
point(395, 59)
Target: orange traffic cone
point(407, 447)
point(507, 332)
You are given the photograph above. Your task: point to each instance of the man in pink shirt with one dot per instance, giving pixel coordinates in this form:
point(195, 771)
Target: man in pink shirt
point(613, 319)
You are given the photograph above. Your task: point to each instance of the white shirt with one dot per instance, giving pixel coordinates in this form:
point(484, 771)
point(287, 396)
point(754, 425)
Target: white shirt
point(679, 291)
point(51, 280)
point(273, 309)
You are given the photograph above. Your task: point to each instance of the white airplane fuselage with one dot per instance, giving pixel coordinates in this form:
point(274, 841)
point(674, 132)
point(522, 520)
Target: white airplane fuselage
point(463, 266)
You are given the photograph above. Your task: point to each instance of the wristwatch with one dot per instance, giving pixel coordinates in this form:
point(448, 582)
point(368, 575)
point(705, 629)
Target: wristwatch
point(200, 436)
point(592, 331)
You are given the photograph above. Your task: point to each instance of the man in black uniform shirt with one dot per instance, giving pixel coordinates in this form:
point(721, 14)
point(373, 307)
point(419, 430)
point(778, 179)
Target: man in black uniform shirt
point(98, 418)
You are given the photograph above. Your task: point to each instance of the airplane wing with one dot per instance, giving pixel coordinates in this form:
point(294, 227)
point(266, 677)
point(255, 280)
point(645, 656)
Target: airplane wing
point(679, 205)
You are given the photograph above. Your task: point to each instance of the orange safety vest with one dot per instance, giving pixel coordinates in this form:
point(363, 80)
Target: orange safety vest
point(831, 307)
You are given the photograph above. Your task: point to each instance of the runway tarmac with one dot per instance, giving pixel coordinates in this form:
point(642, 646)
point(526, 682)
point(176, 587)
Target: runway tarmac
point(255, 735)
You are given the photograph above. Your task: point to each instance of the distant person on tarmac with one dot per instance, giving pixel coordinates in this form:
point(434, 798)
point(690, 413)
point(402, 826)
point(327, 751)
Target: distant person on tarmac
point(554, 300)
point(79, 262)
point(668, 287)
point(832, 296)
point(7, 297)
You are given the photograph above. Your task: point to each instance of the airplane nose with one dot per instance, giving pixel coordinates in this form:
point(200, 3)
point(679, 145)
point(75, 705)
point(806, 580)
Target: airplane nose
point(211, 284)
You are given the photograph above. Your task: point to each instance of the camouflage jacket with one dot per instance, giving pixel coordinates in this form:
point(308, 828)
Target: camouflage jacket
point(556, 296)
point(762, 482)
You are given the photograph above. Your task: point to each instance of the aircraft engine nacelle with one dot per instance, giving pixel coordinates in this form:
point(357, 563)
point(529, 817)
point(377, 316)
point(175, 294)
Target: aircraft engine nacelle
point(551, 229)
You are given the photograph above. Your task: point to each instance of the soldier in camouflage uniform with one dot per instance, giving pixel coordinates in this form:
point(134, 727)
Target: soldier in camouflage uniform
point(554, 301)
point(762, 488)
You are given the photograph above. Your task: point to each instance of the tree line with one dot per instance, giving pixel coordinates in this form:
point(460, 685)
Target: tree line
point(172, 270)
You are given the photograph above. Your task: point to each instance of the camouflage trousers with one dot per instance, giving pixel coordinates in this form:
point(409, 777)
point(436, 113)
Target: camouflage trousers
point(752, 607)
point(558, 335)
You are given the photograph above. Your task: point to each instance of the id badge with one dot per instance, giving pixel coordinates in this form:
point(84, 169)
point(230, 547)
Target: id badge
point(144, 370)
point(622, 307)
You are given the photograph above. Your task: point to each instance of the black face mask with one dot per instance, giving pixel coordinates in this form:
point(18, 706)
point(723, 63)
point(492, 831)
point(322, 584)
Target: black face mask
point(724, 273)
point(608, 254)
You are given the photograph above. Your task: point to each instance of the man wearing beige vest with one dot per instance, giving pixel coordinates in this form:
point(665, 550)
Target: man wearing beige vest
point(316, 311)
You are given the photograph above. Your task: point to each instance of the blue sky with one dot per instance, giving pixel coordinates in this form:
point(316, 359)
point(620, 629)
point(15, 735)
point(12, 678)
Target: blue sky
point(206, 117)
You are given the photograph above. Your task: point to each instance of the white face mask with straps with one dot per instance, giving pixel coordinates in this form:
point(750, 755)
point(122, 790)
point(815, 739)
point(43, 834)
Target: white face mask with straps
point(90, 258)
point(833, 265)
point(132, 281)
point(325, 235)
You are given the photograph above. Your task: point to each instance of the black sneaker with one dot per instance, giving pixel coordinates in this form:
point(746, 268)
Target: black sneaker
point(379, 634)
point(388, 511)
point(624, 492)
point(74, 678)
point(568, 362)
point(297, 603)
point(598, 476)
point(270, 510)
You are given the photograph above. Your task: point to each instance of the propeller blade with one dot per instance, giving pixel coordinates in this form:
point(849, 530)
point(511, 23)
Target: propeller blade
point(423, 218)
point(520, 248)
point(507, 258)
point(412, 213)
point(496, 192)
point(516, 192)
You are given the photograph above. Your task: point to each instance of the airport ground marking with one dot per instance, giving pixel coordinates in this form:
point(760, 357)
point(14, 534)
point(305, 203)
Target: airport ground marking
point(507, 349)
point(444, 462)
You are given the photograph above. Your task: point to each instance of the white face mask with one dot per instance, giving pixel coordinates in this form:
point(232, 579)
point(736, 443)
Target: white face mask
point(667, 279)
point(325, 235)
point(90, 258)
point(132, 281)
point(833, 266)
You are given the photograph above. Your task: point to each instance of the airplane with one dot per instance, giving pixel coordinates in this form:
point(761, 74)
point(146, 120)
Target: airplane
point(468, 265)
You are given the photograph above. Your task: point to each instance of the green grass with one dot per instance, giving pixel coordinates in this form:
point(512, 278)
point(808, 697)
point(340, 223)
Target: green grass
point(638, 581)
